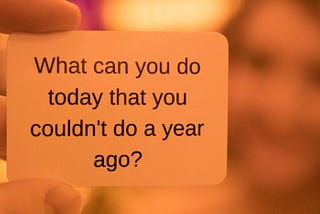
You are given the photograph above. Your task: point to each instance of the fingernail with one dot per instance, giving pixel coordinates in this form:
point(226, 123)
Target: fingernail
point(63, 199)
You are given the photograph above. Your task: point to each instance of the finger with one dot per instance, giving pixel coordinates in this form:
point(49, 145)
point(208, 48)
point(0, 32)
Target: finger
point(3, 150)
point(39, 197)
point(38, 15)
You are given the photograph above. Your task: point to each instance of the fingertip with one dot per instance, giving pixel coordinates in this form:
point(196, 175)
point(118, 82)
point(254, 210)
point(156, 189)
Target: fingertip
point(63, 199)
point(74, 17)
point(41, 196)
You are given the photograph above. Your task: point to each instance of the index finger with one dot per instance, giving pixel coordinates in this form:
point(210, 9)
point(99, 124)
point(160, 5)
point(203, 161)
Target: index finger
point(38, 15)
point(34, 16)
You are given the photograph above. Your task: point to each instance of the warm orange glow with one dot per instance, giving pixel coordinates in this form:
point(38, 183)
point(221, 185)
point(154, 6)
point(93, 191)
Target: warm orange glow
point(3, 171)
point(3, 43)
point(178, 15)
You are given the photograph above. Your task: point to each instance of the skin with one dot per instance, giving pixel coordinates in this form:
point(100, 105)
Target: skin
point(275, 105)
point(34, 196)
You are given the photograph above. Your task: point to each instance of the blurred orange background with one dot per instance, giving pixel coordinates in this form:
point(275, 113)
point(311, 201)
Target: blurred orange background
point(274, 104)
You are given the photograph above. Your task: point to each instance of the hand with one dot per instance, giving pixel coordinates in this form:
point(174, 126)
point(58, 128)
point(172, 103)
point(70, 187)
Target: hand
point(34, 196)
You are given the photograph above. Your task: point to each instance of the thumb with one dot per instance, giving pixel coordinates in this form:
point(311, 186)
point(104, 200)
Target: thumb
point(39, 197)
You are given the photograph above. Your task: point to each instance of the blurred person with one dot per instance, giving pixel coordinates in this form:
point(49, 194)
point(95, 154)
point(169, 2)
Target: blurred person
point(274, 120)
point(275, 105)
point(34, 196)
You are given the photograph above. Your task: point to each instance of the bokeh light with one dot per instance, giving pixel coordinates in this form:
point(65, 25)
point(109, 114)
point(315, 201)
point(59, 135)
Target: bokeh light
point(178, 15)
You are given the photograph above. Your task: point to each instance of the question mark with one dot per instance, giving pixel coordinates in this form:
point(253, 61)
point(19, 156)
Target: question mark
point(139, 157)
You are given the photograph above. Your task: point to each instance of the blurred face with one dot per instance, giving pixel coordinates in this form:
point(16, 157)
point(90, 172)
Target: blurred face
point(275, 96)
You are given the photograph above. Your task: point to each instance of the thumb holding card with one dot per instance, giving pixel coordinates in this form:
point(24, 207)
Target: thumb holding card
point(40, 197)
